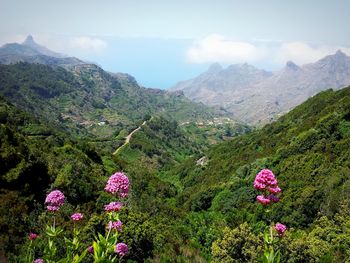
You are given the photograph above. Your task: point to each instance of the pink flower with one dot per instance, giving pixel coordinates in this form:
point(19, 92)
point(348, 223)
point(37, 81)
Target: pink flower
point(113, 206)
point(118, 183)
point(274, 190)
point(273, 198)
point(265, 178)
point(266, 182)
point(55, 200)
point(39, 260)
point(263, 200)
point(280, 228)
point(77, 216)
point(52, 208)
point(90, 249)
point(32, 236)
point(121, 249)
point(118, 225)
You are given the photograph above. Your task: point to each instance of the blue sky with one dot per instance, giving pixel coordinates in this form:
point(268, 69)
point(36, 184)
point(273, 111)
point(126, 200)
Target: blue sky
point(161, 42)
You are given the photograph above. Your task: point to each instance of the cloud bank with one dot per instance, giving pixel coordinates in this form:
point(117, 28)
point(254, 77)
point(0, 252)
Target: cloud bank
point(64, 44)
point(217, 48)
point(90, 43)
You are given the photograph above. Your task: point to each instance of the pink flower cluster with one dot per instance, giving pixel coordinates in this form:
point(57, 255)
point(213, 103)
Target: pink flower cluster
point(90, 249)
point(32, 236)
point(77, 216)
point(118, 225)
point(118, 183)
point(55, 200)
point(113, 207)
point(121, 249)
point(266, 182)
point(39, 260)
point(280, 228)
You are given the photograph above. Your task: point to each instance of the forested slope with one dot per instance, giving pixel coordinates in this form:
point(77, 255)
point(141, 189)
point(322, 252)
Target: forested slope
point(309, 151)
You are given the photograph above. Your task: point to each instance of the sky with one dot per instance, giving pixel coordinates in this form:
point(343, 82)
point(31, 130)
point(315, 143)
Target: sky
point(161, 42)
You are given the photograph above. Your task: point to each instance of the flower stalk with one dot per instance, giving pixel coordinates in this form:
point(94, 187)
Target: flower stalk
point(266, 182)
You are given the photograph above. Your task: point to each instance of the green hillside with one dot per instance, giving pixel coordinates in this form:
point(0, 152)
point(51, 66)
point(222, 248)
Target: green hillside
point(49, 140)
point(36, 158)
point(309, 144)
point(308, 150)
point(88, 101)
point(190, 201)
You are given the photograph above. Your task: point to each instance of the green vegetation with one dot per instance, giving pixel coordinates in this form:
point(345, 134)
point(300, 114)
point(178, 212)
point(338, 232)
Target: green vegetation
point(89, 102)
point(190, 201)
point(211, 133)
point(32, 164)
point(308, 149)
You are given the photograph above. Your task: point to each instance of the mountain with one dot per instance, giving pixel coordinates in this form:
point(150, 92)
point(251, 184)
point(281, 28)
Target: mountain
point(188, 203)
point(87, 100)
point(29, 42)
point(31, 52)
point(308, 151)
point(59, 127)
point(70, 90)
point(217, 86)
point(203, 204)
point(242, 92)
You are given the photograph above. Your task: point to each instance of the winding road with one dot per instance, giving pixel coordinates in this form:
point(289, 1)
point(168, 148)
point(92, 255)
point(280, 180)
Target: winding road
point(127, 138)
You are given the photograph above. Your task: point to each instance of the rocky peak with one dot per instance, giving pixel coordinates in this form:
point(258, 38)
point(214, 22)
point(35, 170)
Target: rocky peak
point(338, 56)
point(337, 61)
point(340, 53)
point(290, 65)
point(246, 66)
point(29, 41)
point(214, 68)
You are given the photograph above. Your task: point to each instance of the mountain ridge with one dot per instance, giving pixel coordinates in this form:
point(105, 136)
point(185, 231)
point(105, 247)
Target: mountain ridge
point(273, 93)
point(31, 52)
point(90, 102)
point(68, 90)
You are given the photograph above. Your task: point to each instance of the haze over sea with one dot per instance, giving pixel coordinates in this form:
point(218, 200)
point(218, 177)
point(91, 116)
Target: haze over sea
point(162, 42)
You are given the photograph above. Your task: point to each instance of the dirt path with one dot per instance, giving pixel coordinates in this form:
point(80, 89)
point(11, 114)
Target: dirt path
point(127, 138)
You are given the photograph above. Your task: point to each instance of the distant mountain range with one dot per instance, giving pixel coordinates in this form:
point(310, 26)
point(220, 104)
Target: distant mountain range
point(256, 96)
point(31, 52)
point(82, 98)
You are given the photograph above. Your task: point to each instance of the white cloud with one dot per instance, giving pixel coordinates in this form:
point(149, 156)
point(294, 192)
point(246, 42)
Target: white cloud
point(302, 53)
point(216, 48)
point(90, 43)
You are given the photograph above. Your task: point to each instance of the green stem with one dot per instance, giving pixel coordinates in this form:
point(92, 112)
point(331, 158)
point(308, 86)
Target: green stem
point(109, 231)
point(271, 235)
point(74, 235)
point(29, 251)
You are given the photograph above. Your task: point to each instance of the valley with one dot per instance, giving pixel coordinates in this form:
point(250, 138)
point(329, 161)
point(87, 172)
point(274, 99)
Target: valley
point(128, 137)
point(66, 124)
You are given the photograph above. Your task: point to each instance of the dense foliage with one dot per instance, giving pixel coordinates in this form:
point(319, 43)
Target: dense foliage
point(189, 201)
point(88, 101)
point(308, 149)
point(34, 158)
